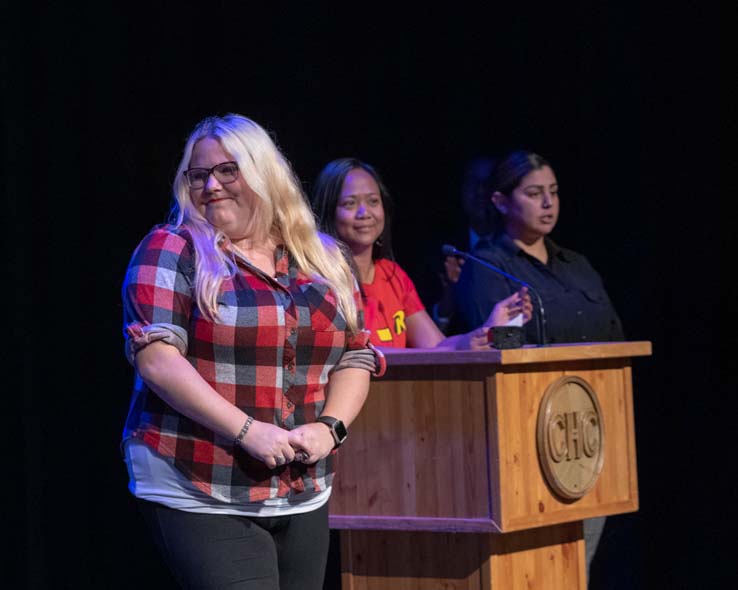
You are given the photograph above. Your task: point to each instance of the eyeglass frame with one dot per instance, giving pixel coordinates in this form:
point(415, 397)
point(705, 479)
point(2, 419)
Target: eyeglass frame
point(211, 171)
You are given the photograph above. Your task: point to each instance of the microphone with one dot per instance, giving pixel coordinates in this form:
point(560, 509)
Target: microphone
point(448, 250)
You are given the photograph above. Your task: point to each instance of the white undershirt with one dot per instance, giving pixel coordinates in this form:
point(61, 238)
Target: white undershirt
point(154, 479)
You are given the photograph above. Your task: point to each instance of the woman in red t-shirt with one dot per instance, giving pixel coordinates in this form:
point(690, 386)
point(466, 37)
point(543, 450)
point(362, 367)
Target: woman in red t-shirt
point(353, 205)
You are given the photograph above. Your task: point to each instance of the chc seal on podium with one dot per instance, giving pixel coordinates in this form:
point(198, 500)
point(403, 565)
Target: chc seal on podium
point(570, 437)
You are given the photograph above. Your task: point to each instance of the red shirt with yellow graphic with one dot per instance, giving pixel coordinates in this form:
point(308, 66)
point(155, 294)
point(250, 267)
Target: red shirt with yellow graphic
point(388, 301)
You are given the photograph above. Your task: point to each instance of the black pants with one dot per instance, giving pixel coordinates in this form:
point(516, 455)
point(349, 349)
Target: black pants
point(210, 551)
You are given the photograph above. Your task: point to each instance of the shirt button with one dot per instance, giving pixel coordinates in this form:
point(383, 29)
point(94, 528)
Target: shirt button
point(579, 312)
point(293, 331)
point(291, 365)
point(289, 405)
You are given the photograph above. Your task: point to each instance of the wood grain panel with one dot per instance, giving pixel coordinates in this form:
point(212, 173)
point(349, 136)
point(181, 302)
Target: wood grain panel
point(550, 558)
point(379, 560)
point(525, 498)
point(418, 449)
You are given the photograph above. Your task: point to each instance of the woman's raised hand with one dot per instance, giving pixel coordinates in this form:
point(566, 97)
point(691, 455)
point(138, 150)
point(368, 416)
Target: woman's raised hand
point(511, 307)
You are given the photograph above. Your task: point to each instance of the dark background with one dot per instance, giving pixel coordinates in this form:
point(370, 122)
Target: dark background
point(97, 102)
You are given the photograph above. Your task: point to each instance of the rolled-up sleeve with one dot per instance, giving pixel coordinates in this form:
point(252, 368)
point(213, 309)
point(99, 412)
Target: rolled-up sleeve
point(360, 353)
point(158, 292)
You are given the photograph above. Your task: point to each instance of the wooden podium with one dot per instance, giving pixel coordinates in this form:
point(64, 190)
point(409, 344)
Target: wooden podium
point(445, 481)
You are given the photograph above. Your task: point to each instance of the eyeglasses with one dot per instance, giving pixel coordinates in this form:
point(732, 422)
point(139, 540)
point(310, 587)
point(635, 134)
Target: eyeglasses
point(225, 173)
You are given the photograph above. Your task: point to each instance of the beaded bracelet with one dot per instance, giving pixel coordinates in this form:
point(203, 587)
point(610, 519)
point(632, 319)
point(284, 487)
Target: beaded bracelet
point(244, 430)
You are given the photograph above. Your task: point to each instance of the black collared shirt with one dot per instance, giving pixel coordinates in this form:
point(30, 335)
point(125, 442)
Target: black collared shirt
point(575, 303)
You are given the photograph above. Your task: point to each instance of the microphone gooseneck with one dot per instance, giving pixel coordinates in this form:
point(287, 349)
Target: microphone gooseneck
point(448, 250)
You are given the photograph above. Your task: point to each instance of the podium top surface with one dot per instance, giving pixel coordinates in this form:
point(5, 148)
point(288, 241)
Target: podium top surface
point(516, 356)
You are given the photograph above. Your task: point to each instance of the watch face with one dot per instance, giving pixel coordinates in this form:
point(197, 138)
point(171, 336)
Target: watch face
point(340, 430)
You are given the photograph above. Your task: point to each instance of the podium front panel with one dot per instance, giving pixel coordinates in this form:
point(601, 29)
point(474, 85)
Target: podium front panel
point(447, 442)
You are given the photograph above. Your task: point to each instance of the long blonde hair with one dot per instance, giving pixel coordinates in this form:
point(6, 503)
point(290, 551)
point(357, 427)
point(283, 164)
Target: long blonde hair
point(281, 212)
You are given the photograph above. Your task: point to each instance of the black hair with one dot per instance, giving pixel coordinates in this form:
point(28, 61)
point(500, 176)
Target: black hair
point(513, 167)
point(327, 190)
point(507, 176)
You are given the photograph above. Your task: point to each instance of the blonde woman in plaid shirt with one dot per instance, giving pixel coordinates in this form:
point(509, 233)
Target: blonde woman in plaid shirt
point(244, 326)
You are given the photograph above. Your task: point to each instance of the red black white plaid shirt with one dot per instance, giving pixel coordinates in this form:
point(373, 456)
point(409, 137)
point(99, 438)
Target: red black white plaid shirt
point(270, 353)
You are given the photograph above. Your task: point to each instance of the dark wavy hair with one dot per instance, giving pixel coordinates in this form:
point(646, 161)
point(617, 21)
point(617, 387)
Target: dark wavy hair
point(327, 190)
point(508, 174)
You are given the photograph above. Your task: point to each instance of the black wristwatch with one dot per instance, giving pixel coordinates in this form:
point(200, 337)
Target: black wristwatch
point(338, 430)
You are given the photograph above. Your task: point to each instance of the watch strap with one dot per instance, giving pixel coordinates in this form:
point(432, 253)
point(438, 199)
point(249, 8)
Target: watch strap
point(337, 428)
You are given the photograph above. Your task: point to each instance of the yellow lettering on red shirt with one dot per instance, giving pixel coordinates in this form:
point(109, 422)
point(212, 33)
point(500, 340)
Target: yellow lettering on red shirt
point(399, 318)
point(384, 334)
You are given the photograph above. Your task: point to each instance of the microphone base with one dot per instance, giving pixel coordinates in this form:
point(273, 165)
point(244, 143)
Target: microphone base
point(502, 337)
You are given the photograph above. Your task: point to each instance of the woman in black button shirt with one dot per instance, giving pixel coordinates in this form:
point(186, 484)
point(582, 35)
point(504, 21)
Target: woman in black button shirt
point(525, 194)
point(577, 308)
